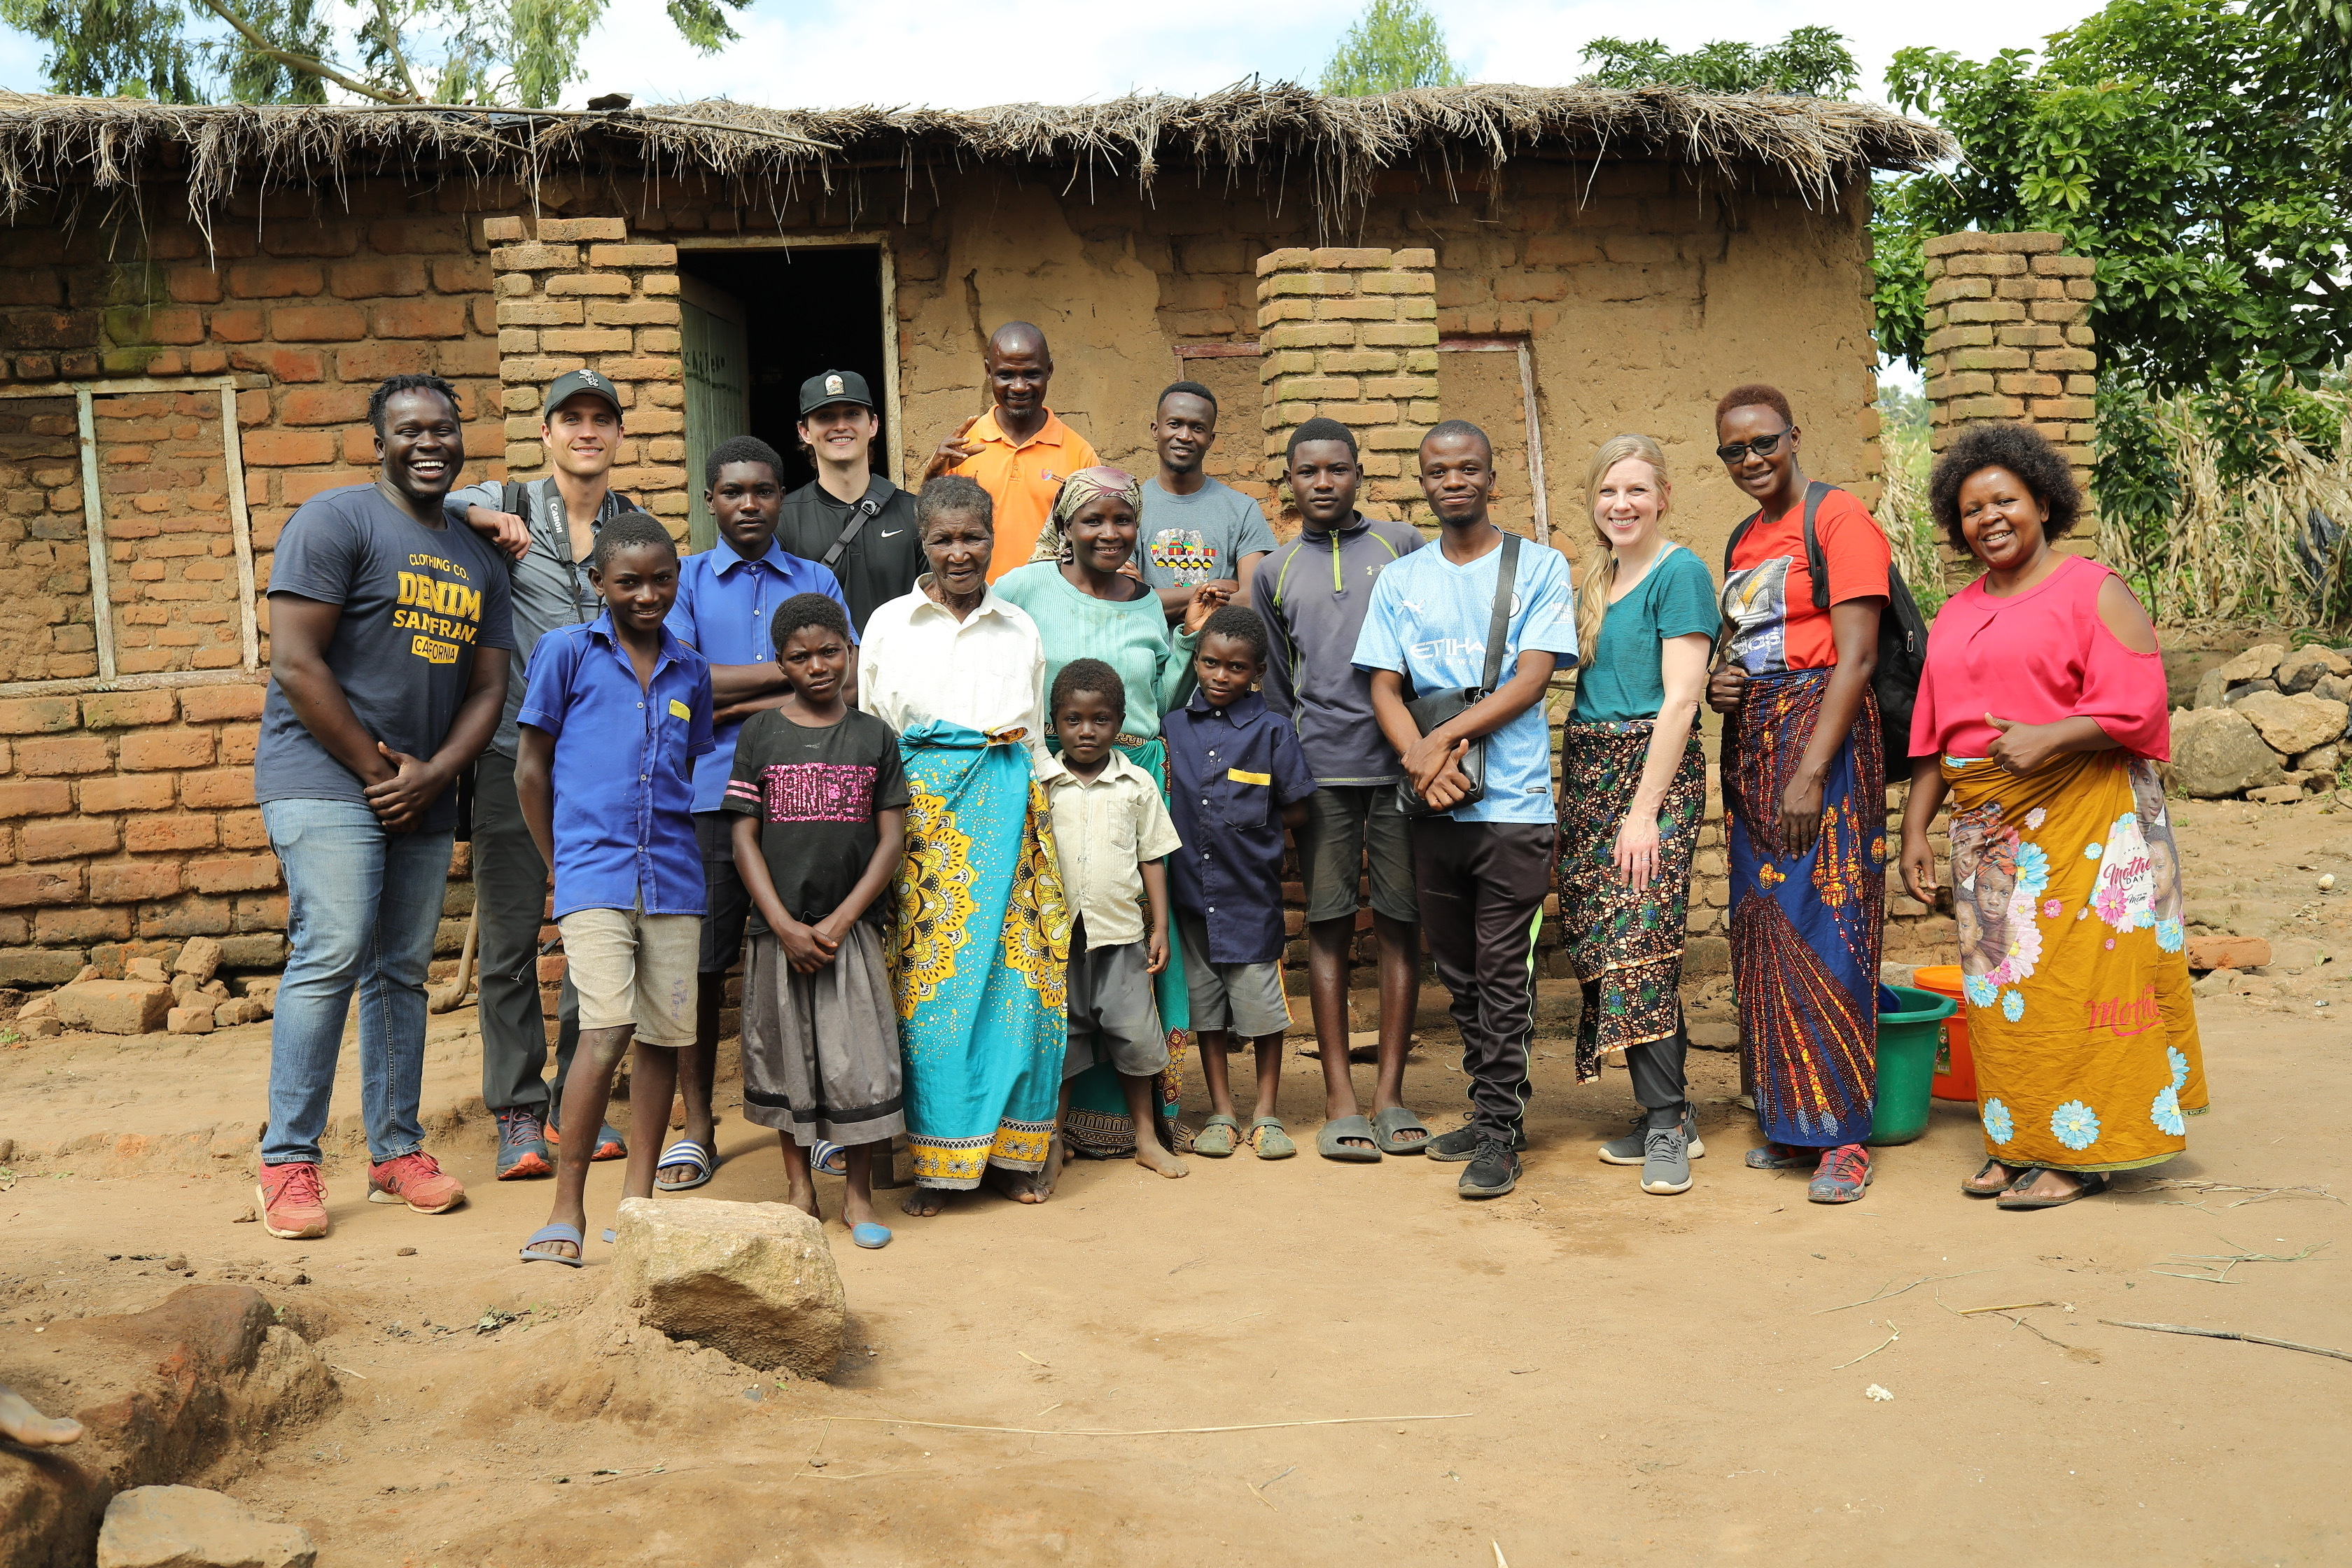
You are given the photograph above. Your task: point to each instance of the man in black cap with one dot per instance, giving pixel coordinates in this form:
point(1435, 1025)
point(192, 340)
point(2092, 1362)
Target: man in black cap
point(555, 520)
point(850, 518)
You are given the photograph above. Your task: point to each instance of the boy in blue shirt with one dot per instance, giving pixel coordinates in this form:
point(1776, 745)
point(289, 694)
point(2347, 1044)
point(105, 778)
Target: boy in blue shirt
point(1236, 778)
point(1481, 866)
point(616, 712)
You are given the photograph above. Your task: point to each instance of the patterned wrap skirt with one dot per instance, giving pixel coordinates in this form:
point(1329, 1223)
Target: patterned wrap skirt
point(2066, 884)
point(982, 957)
point(1806, 929)
point(1628, 943)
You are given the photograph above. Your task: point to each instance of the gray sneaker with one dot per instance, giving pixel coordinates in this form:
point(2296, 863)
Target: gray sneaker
point(1665, 1164)
point(1633, 1149)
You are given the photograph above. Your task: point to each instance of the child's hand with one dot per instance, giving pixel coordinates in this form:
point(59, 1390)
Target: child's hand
point(1207, 599)
point(831, 932)
point(806, 948)
point(1155, 953)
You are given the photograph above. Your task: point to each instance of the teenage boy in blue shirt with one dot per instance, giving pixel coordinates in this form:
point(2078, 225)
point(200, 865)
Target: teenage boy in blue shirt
point(617, 713)
point(727, 597)
point(1480, 868)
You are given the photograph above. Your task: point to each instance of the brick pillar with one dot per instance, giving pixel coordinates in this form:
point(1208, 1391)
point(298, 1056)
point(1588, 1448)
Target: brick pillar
point(2008, 337)
point(572, 294)
point(1352, 335)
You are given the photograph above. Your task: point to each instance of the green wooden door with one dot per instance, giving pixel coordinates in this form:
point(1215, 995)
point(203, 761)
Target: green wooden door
point(718, 382)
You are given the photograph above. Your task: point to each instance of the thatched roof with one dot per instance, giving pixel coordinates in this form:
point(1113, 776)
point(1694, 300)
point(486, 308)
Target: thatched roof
point(49, 143)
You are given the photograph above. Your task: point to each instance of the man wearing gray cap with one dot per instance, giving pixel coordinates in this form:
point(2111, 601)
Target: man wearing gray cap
point(849, 517)
point(554, 521)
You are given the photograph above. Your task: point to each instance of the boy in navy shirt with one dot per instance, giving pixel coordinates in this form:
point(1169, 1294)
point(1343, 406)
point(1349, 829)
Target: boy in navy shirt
point(1236, 778)
point(617, 713)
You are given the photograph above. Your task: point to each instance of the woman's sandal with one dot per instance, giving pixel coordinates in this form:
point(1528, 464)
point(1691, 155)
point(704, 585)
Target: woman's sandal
point(1269, 1139)
point(2086, 1183)
point(1328, 1140)
point(2008, 1180)
point(1216, 1137)
point(558, 1232)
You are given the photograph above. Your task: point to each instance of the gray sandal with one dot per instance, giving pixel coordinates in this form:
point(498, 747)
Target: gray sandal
point(1216, 1137)
point(1386, 1126)
point(1328, 1141)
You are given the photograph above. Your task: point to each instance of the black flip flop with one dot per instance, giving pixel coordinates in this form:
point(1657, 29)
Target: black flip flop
point(1989, 1191)
point(2088, 1182)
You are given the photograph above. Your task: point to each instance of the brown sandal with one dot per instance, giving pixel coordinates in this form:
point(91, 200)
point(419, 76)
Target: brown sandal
point(2009, 1179)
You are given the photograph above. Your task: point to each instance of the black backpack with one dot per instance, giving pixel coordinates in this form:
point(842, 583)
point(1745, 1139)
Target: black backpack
point(1902, 635)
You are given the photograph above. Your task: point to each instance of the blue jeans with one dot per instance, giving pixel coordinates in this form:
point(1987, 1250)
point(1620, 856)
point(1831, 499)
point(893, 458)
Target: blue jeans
point(362, 908)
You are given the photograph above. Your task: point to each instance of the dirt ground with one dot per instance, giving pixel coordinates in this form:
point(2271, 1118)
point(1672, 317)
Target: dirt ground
point(1577, 1372)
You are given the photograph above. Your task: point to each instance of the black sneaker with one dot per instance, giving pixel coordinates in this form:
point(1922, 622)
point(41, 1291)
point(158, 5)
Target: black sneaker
point(1494, 1171)
point(1462, 1144)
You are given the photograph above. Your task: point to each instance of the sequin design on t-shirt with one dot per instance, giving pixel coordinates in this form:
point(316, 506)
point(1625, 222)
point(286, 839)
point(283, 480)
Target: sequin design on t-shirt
point(815, 792)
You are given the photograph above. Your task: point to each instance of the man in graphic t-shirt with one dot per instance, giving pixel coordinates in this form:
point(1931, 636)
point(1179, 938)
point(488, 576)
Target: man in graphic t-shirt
point(1194, 528)
point(390, 633)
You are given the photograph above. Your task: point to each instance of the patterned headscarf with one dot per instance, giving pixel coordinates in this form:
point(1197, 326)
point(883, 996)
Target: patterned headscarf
point(1085, 485)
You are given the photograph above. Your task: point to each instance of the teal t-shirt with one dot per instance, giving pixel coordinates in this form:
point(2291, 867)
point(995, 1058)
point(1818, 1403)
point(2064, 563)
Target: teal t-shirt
point(1623, 679)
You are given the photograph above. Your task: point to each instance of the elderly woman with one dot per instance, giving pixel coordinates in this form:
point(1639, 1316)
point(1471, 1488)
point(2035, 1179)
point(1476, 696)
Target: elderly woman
point(982, 935)
point(1086, 605)
point(1633, 791)
point(1804, 785)
point(2041, 715)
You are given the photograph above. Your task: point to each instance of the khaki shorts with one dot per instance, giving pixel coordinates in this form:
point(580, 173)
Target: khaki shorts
point(635, 968)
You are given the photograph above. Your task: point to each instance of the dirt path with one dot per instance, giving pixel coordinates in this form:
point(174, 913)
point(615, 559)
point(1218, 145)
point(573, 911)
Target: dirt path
point(1636, 1379)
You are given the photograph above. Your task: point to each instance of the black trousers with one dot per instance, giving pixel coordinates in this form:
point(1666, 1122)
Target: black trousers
point(511, 891)
point(1657, 1067)
point(1481, 889)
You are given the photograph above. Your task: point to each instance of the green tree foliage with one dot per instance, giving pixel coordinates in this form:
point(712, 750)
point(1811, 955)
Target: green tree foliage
point(285, 51)
point(1394, 45)
point(2197, 151)
point(1811, 61)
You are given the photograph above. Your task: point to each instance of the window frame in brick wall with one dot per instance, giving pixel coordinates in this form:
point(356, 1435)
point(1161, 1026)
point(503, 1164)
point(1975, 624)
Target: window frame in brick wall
point(108, 679)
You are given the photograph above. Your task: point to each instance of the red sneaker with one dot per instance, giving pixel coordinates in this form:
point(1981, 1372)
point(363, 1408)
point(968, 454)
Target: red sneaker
point(417, 1181)
point(293, 1202)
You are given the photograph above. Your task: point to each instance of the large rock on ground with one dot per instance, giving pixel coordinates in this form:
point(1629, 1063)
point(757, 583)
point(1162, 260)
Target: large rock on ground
point(755, 1281)
point(115, 1006)
point(2295, 724)
point(188, 1527)
point(2217, 752)
point(2256, 663)
point(2210, 688)
point(2302, 669)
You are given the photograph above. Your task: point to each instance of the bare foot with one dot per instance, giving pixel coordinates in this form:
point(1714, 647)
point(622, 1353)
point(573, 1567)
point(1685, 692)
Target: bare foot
point(802, 1195)
point(1152, 1157)
point(20, 1423)
point(1021, 1187)
point(1050, 1175)
point(924, 1202)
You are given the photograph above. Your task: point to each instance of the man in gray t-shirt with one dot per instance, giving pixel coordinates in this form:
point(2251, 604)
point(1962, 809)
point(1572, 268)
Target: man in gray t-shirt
point(1195, 529)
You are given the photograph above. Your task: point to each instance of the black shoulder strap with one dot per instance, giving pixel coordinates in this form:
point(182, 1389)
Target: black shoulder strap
point(1816, 564)
point(869, 506)
point(1500, 626)
point(1731, 545)
point(516, 497)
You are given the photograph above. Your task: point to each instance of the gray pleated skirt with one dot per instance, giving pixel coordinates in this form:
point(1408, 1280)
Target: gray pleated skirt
point(821, 1051)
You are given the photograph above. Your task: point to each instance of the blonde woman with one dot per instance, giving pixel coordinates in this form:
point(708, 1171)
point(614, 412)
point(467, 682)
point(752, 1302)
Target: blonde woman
point(1633, 789)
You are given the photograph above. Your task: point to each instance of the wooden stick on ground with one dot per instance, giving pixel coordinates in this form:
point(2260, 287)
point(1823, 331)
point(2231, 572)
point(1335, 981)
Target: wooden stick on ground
point(2226, 1334)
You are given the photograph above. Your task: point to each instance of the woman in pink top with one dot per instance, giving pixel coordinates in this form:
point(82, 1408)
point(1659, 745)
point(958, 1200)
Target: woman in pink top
point(2041, 715)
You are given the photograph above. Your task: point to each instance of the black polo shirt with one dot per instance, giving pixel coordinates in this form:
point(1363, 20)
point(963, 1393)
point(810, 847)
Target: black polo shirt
point(880, 564)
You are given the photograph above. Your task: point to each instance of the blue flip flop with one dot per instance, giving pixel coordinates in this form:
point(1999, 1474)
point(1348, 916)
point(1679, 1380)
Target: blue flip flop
point(685, 1152)
point(570, 1233)
point(869, 1235)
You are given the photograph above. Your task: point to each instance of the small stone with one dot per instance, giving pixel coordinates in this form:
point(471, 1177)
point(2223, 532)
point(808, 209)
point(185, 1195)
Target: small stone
point(2209, 689)
point(2334, 688)
point(2237, 694)
point(188, 1021)
point(42, 1006)
point(216, 989)
point(283, 1273)
point(189, 1527)
point(2207, 952)
point(2324, 759)
point(2256, 664)
point(2277, 795)
point(39, 1028)
point(184, 986)
point(2327, 881)
point(87, 971)
point(175, 1263)
point(146, 969)
point(200, 957)
point(406, 1252)
point(2302, 669)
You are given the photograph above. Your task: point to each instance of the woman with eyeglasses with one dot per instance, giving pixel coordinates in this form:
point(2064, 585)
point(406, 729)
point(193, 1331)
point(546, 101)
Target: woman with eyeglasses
point(1804, 787)
point(2042, 713)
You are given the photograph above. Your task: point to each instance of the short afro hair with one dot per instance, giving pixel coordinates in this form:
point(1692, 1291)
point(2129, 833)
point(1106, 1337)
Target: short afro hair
point(630, 530)
point(1240, 623)
point(1447, 428)
point(1086, 674)
point(1319, 429)
point(802, 611)
point(740, 449)
point(2023, 451)
point(1190, 389)
point(953, 495)
point(1755, 394)
point(393, 386)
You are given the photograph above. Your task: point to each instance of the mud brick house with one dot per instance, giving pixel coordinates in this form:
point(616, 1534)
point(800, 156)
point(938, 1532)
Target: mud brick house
point(195, 302)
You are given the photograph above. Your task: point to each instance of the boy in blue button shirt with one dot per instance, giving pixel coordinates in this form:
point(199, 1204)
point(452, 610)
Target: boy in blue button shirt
point(1236, 778)
point(617, 713)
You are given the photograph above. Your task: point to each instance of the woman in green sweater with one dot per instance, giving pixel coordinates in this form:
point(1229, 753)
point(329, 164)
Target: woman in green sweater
point(1085, 606)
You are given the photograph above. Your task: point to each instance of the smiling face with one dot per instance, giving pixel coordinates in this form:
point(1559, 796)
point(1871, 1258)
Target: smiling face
point(422, 445)
point(814, 660)
point(839, 432)
point(1019, 370)
point(1757, 475)
point(1102, 533)
point(1457, 478)
point(745, 502)
point(958, 544)
point(1186, 428)
point(1627, 504)
point(582, 434)
point(1227, 666)
point(639, 584)
point(1086, 724)
point(1323, 479)
point(2003, 520)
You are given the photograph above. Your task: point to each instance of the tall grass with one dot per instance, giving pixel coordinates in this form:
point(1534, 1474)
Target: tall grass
point(1905, 460)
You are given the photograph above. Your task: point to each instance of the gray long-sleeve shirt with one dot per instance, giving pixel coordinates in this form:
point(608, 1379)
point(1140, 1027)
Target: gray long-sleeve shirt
point(1313, 593)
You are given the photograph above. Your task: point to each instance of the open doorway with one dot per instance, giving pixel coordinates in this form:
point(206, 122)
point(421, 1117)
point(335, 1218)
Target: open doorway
point(760, 318)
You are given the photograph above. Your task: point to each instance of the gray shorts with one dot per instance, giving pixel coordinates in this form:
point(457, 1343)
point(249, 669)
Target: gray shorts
point(1342, 822)
point(1244, 999)
point(1112, 1017)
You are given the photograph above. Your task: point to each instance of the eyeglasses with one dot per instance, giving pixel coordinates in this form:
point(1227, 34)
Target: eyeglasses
point(1763, 446)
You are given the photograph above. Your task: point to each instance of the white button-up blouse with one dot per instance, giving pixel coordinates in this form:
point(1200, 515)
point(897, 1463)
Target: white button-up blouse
point(986, 672)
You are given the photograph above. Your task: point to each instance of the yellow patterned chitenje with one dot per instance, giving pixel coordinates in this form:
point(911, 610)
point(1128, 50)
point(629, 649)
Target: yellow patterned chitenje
point(1036, 940)
point(934, 899)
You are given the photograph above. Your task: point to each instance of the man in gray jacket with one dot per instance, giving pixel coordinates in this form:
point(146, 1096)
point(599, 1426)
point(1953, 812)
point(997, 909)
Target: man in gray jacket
point(555, 521)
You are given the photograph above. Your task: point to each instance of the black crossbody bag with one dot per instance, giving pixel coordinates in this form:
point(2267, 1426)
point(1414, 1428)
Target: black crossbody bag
point(1439, 707)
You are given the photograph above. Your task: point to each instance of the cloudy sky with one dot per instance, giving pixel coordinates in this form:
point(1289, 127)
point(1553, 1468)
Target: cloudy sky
point(828, 53)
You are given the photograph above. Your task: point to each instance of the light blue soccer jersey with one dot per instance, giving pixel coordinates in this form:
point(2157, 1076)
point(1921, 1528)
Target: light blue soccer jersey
point(1429, 618)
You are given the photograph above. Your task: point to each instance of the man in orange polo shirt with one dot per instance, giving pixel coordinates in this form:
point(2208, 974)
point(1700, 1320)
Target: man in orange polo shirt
point(1018, 451)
